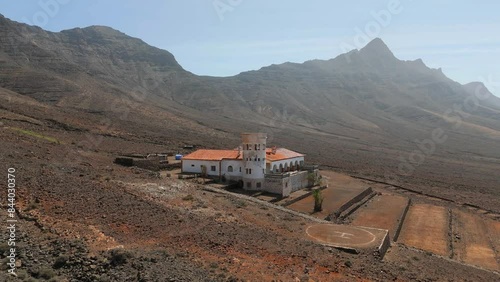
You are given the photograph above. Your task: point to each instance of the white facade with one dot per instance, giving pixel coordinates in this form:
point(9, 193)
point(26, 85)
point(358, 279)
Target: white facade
point(254, 159)
point(232, 169)
point(249, 164)
point(285, 165)
point(196, 166)
point(237, 168)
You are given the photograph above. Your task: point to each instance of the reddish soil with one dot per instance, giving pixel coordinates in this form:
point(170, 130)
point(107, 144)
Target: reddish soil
point(341, 189)
point(494, 234)
point(382, 212)
point(426, 228)
point(471, 243)
point(78, 208)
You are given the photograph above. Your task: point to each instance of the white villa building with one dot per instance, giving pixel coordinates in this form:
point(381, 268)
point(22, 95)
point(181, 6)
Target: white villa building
point(276, 170)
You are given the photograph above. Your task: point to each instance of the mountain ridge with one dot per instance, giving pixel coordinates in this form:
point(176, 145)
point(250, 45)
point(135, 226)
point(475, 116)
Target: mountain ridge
point(366, 101)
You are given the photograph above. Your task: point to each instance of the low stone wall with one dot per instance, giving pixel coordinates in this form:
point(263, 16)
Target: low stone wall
point(151, 164)
point(233, 178)
point(356, 206)
point(286, 183)
point(276, 185)
point(154, 164)
point(351, 202)
point(384, 246)
point(303, 196)
point(380, 250)
point(298, 180)
point(401, 220)
point(168, 166)
point(124, 161)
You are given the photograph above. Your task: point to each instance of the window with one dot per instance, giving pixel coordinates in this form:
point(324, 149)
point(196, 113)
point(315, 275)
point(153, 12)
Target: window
point(249, 171)
point(258, 159)
point(213, 168)
point(192, 165)
point(258, 184)
point(240, 168)
point(259, 146)
point(249, 184)
point(230, 168)
point(255, 147)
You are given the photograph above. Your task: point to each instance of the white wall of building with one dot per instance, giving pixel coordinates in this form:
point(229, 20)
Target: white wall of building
point(237, 166)
point(286, 163)
point(254, 155)
point(194, 166)
point(251, 169)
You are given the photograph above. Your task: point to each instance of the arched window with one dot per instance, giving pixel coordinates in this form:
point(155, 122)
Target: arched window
point(230, 168)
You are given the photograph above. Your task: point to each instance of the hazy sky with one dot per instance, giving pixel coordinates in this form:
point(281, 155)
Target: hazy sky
point(225, 37)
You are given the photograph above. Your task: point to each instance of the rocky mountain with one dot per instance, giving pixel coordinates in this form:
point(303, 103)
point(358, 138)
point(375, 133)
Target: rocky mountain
point(363, 112)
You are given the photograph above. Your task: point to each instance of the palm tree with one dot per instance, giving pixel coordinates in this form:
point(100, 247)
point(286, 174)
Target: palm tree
point(318, 200)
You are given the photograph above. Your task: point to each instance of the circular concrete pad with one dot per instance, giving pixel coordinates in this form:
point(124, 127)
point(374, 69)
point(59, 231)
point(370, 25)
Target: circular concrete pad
point(340, 235)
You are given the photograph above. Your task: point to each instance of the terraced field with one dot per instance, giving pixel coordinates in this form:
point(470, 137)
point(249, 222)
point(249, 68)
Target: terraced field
point(474, 240)
point(384, 211)
point(426, 228)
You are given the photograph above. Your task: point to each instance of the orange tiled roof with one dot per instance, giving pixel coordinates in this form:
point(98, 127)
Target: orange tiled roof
point(280, 154)
point(217, 155)
point(213, 155)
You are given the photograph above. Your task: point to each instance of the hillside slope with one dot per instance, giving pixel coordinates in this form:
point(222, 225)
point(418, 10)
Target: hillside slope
point(363, 112)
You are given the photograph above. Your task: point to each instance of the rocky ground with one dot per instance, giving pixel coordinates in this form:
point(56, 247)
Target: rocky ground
point(82, 218)
point(65, 115)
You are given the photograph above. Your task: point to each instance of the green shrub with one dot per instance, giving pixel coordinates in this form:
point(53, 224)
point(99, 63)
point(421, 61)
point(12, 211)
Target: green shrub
point(119, 256)
point(32, 206)
point(61, 261)
point(240, 203)
point(4, 248)
point(311, 178)
point(46, 273)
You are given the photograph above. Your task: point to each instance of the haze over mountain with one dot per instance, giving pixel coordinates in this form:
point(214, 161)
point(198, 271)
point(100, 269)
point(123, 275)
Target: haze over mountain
point(361, 112)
